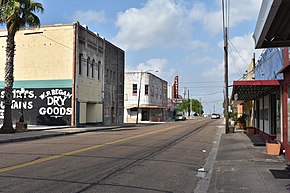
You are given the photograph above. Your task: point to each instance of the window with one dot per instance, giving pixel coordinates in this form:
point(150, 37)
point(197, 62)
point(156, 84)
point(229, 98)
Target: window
point(156, 92)
point(108, 76)
point(288, 113)
point(99, 72)
point(146, 89)
point(88, 67)
point(134, 89)
point(92, 69)
point(80, 64)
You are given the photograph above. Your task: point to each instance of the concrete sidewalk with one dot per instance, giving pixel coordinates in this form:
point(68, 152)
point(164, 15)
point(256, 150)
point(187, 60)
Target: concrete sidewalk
point(37, 132)
point(242, 167)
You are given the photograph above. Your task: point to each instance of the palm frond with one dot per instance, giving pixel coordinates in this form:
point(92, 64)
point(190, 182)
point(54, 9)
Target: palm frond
point(3, 2)
point(17, 14)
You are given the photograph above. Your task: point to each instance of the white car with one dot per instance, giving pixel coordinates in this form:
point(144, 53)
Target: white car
point(215, 116)
point(180, 117)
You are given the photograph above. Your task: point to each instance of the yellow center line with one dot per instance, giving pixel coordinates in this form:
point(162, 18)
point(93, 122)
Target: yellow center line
point(45, 159)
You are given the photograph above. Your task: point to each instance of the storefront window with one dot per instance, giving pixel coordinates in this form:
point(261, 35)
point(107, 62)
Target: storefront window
point(278, 118)
point(288, 114)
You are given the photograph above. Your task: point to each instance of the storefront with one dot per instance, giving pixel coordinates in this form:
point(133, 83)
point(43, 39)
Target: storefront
point(270, 92)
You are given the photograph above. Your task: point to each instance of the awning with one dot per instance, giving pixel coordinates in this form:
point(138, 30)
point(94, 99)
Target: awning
point(272, 27)
point(253, 89)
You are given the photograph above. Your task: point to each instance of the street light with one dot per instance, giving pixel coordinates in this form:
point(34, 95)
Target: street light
point(138, 104)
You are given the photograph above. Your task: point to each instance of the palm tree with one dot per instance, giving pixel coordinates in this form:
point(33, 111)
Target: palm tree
point(15, 14)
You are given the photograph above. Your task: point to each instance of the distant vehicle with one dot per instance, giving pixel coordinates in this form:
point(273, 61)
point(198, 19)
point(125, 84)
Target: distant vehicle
point(215, 116)
point(180, 117)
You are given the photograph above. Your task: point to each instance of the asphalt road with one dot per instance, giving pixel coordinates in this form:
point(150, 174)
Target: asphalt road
point(158, 158)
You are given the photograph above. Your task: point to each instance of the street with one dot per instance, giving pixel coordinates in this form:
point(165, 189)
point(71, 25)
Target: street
point(157, 158)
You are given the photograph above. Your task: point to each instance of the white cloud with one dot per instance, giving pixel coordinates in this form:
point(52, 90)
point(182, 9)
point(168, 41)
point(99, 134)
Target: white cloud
point(166, 22)
point(241, 49)
point(244, 10)
point(159, 22)
point(197, 44)
point(156, 64)
point(240, 11)
point(90, 16)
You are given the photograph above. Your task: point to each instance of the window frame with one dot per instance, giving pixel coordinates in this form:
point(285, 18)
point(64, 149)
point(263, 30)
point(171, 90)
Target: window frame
point(146, 89)
point(88, 67)
point(134, 89)
point(80, 64)
point(92, 69)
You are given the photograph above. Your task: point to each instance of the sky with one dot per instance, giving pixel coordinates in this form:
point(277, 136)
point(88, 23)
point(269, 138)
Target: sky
point(174, 37)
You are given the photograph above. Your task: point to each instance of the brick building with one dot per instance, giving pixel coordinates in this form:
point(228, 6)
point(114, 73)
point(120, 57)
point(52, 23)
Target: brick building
point(113, 84)
point(59, 75)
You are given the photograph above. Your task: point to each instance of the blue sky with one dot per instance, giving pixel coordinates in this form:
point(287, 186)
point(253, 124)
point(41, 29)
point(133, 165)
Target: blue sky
point(181, 37)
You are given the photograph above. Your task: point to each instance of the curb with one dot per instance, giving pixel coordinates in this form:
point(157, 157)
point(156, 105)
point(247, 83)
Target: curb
point(65, 133)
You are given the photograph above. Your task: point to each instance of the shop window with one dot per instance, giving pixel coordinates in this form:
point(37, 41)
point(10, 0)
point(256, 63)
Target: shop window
point(278, 117)
point(288, 88)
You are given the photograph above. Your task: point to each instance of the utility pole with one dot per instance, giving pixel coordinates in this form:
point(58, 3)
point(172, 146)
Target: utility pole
point(188, 103)
point(138, 100)
point(184, 94)
point(226, 98)
point(200, 110)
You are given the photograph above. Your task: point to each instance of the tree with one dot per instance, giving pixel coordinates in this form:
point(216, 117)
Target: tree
point(15, 14)
point(196, 106)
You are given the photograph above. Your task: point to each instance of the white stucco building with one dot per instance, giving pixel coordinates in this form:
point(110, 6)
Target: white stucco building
point(153, 97)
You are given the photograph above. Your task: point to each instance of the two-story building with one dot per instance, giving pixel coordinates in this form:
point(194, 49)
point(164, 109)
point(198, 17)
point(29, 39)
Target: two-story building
point(113, 84)
point(59, 75)
point(150, 91)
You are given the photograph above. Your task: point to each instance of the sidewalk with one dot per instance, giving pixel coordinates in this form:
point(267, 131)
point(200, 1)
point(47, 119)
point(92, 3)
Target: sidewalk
point(37, 132)
point(241, 167)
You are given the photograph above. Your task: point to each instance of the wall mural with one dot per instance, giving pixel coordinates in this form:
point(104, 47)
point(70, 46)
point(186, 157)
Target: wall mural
point(40, 106)
point(269, 64)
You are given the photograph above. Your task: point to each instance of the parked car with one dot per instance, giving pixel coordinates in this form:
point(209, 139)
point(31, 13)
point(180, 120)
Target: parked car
point(180, 117)
point(215, 116)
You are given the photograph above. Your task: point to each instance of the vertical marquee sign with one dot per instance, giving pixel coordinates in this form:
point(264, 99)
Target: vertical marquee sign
point(175, 87)
point(40, 106)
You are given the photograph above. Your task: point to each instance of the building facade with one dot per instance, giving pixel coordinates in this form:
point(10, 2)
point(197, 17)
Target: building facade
point(114, 84)
point(59, 75)
point(152, 94)
point(270, 93)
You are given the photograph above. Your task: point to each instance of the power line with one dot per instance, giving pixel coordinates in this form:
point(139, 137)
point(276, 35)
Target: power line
point(202, 87)
point(202, 82)
point(237, 52)
point(235, 65)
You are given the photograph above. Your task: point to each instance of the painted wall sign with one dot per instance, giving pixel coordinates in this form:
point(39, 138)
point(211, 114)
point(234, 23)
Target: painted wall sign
point(40, 106)
point(269, 64)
